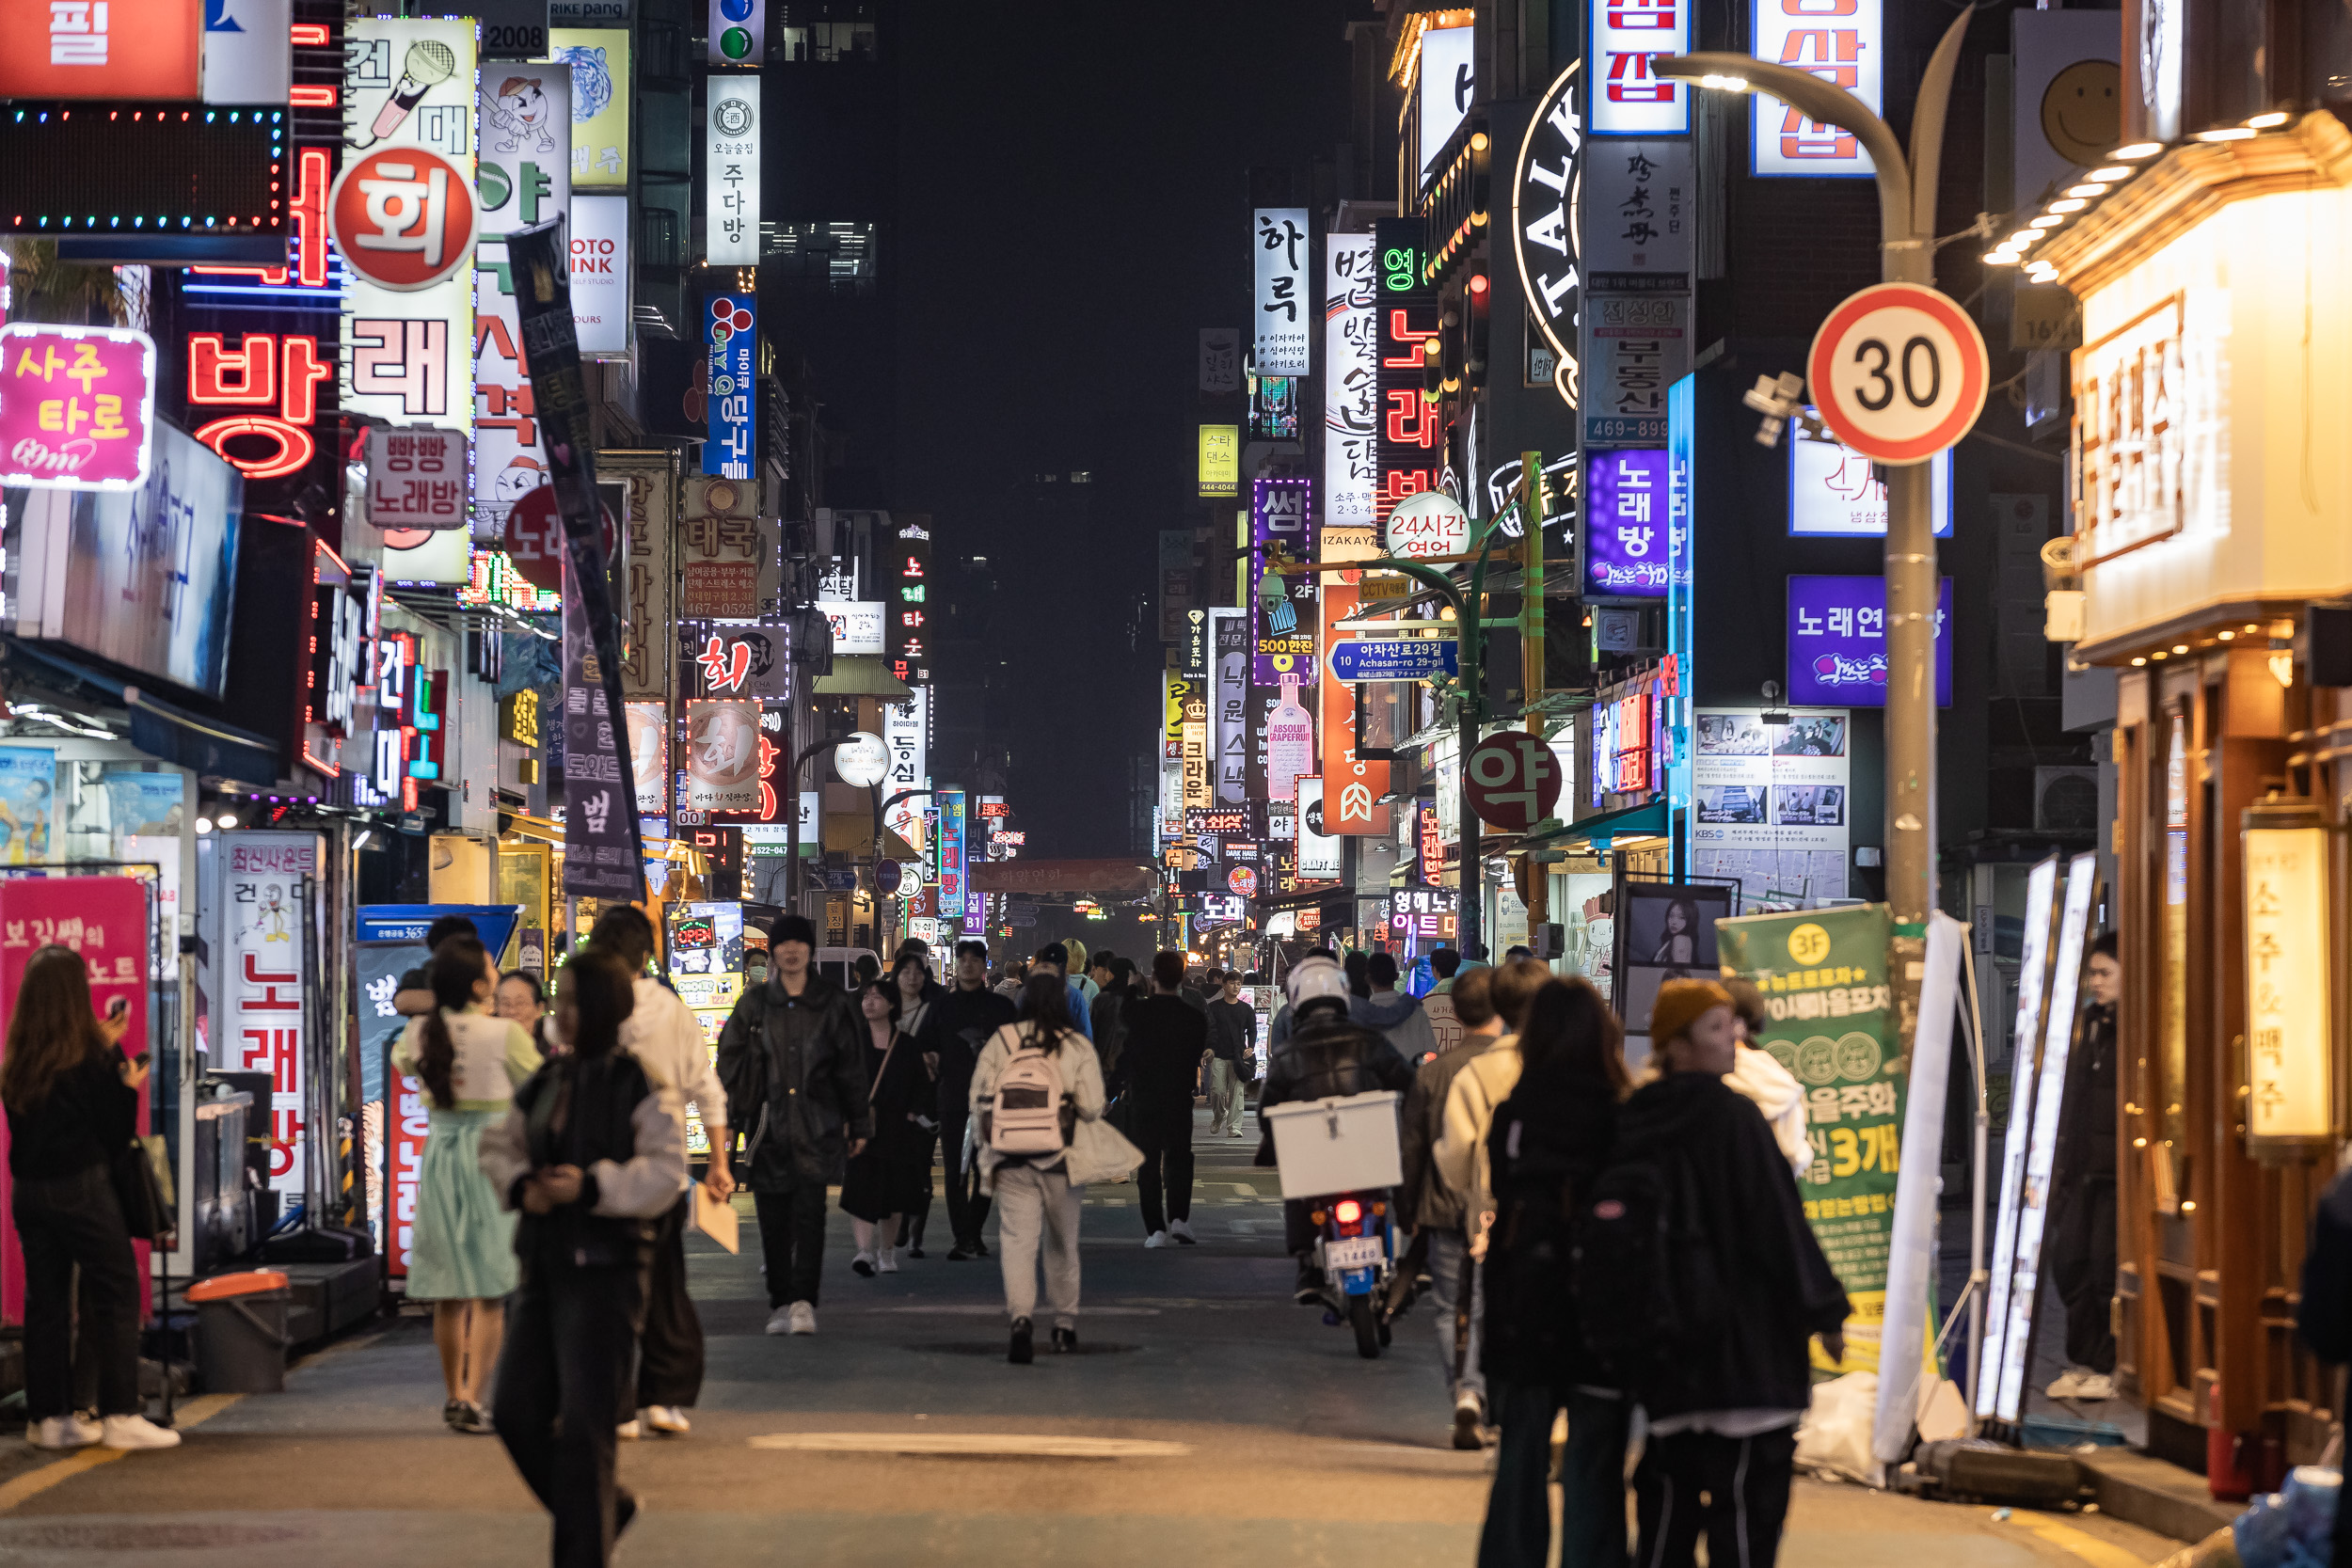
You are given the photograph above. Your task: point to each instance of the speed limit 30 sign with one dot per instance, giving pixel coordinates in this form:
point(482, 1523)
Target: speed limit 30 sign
point(1898, 372)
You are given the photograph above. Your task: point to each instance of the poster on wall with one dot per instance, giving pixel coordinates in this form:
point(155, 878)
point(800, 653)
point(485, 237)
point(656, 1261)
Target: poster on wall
point(722, 757)
point(1774, 806)
point(649, 755)
point(1832, 1024)
point(29, 818)
point(600, 100)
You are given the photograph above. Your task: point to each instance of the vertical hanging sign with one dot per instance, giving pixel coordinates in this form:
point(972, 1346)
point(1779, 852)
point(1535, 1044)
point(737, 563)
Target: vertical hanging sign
point(1351, 379)
point(263, 899)
point(524, 177)
point(1282, 519)
point(1351, 785)
point(1628, 100)
point(908, 634)
point(1408, 447)
point(1841, 41)
point(731, 172)
point(950, 853)
point(1281, 334)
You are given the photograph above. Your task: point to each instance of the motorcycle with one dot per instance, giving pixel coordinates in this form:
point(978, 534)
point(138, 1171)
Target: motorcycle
point(1356, 1248)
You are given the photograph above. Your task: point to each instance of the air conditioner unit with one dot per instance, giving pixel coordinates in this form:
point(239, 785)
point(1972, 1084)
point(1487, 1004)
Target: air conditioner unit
point(2066, 800)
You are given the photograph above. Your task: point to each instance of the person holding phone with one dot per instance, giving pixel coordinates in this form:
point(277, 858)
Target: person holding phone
point(73, 1104)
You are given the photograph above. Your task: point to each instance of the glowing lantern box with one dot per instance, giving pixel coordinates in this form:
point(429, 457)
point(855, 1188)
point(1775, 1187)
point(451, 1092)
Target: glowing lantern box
point(77, 407)
point(1345, 1143)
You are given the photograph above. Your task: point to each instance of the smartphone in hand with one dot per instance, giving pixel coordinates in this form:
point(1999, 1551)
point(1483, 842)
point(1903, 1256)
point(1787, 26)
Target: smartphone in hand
point(118, 1008)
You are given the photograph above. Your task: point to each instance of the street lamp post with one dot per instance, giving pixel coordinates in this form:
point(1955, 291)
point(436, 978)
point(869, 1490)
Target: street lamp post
point(1907, 250)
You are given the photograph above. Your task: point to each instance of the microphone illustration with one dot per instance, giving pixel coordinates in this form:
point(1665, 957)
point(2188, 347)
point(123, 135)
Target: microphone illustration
point(429, 64)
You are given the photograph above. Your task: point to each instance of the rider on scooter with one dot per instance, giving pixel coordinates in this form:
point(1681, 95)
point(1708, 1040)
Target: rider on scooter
point(1325, 1055)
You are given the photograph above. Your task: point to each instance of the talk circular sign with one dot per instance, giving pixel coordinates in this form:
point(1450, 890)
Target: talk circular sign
point(404, 217)
point(1430, 523)
point(1900, 372)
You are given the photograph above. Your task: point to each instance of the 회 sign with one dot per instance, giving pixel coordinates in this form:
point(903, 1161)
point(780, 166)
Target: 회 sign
point(404, 217)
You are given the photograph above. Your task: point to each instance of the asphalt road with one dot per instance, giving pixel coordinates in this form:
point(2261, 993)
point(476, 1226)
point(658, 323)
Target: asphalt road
point(1223, 1425)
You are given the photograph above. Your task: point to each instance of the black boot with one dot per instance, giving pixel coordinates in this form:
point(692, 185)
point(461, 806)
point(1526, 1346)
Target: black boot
point(1065, 1341)
point(1021, 1354)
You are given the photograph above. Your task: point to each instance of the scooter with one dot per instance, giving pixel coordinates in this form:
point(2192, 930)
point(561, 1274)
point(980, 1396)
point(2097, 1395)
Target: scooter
point(1356, 1248)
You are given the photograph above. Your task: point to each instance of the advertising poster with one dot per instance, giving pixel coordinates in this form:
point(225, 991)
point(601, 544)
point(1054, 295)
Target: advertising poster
point(399, 1120)
point(1351, 380)
point(524, 175)
point(600, 827)
point(263, 1025)
point(599, 60)
point(29, 823)
point(722, 757)
point(1823, 975)
point(649, 755)
point(1774, 803)
point(1282, 517)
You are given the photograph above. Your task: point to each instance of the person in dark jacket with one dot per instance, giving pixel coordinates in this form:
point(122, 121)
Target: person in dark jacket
point(1549, 1138)
point(954, 1033)
point(73, 1105)
point(1232, 1040)
point(1166, 1038)
point(593, 1160)
point(793, 1059)
point(2323, 1315)
point(1723, 1406)
point(1107, 1014)
point(2081, 1246)
point(1324, 1056)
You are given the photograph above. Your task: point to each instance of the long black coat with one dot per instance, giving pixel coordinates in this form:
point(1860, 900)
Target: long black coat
point(794, 1069)
point(1550, 1140)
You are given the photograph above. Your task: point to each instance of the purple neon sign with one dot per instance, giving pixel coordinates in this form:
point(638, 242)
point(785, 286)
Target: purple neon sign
point(1837, 642)
point(1625, 532)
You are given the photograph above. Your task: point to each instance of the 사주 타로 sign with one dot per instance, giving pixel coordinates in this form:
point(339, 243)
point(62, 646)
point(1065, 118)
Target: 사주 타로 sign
point(1832, 1024)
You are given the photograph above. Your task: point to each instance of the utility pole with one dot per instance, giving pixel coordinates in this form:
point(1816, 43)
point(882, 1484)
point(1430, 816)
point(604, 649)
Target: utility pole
point(1907, 252)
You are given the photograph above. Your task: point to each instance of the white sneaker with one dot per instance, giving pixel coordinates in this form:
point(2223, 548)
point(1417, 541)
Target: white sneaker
point(630, 1430)
point(1182, 1230)
point(1234, 1134)
point(1157, 1238)
point(889, 1264)
point(2095, 1386)
point(138, 1432)
point(668, 1420)
point(2067, 1385)
point(863, 1265)
point(804, 1318)
point(68, 1430)
point(780, 1320)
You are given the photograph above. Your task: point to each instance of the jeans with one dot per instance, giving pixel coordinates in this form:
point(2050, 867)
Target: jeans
point(1167, 1161)
point(62, 1221)
point(670, 1352)
point(1225, 1096)
point(1735, 1489)
point(1449, 1264)
point(2081, 1254)
point(792, 1242)
point(1033, 1205)
point(1592, 1479)
point(967, 1212)
point(563, 1386)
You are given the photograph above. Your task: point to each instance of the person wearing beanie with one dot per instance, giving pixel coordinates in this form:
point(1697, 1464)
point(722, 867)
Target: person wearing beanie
point(1772, 1087)
point(1723, 1401)
point(792, 1058)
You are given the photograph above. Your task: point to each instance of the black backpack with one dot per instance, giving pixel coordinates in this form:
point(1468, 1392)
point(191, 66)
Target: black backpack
point(1646, 1284)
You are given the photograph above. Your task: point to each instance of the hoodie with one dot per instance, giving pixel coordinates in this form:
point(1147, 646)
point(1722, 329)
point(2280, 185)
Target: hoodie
point(1774, 1091)
point(1401, 1018)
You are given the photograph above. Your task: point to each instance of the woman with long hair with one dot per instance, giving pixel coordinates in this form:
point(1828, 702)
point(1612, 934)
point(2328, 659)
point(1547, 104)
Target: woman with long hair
point(73, 1105)
point(892, 1176)
point(1680, 944)
point(911, 973)
point(1551, 1138)
point(1034, 1201)
point(462, 1252)
point(591, 1159)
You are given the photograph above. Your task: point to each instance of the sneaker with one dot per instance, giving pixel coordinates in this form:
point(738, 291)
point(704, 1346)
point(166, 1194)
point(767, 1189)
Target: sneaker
point(916, 1252)
point(804, 1318)
point(2095, 1386)
point(668, 1420)
point(472, 1421)
point(138, 1432)
point(863, 1265)
point(980, 1249)
point(889, 1260)
point(69, 1431)
point(624, 1510)
point(453, 1414)
point(1234, 1134)
point(780, 1320)
point(960, 1254)
point(1157, 1238)
point(1182, 1230)
point(1466, 1420)
point(630, 1430)
point(1022, 1352)
point(2067, 1385)
point(1065, 1341)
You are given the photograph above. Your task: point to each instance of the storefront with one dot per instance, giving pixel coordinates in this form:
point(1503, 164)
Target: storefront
point(2214, 515)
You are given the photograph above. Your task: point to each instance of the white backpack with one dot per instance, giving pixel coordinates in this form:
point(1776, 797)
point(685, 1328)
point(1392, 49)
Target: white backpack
point(1025, 1116)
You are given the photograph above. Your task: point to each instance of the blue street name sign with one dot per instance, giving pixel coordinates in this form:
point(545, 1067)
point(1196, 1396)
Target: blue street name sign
point(1404, 658)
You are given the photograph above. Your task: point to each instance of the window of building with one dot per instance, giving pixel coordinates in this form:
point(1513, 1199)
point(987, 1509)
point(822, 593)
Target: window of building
point(827, 34)
point(824, 257)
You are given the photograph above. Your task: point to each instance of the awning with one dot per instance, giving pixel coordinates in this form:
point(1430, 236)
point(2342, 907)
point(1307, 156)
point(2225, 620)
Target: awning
point(852, 833)
point(203, 746)
point(862, 677)
point(1639, 822)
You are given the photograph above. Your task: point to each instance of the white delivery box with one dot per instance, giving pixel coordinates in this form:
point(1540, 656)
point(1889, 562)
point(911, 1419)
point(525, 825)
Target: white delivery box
point(1346, 1144)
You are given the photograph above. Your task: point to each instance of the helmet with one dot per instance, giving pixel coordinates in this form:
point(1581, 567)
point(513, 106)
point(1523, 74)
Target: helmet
point(1316, 981)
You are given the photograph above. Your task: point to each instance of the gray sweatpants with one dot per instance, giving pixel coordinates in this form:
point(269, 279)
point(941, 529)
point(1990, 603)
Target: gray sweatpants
point(1035, 1205)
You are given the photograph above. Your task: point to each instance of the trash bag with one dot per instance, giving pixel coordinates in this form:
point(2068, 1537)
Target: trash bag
point(1834, 1439)
point(2293, 1529)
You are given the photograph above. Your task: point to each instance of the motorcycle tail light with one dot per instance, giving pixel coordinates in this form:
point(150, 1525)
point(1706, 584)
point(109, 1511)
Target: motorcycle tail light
point(1348, 1210)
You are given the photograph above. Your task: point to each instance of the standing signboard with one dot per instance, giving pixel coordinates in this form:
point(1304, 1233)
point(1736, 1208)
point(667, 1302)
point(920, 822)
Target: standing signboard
point(264, 904)
point(1830, 1022)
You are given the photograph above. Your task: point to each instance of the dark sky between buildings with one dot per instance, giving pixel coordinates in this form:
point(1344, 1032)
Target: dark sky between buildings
point(1074, 206)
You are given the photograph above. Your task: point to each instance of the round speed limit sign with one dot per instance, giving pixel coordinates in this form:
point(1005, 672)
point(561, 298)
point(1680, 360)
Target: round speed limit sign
point(1898, 372)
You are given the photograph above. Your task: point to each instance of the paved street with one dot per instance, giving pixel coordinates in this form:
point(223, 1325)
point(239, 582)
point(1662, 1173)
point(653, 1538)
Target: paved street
point(1225, 1426)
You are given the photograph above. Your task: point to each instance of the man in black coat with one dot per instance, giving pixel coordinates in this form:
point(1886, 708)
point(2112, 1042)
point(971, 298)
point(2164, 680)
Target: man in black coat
point(1167, 1038)
point(792, 1058)
point(954, 1033)
point(1724, 1403)
point(2080, 1248)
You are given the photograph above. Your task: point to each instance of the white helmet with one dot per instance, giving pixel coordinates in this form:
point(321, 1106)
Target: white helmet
point(1316, 981)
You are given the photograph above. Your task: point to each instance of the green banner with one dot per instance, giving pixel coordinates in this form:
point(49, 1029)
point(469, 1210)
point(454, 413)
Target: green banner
point(1823, 975)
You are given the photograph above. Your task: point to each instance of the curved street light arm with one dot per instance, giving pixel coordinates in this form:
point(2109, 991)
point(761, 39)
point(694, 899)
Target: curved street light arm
point(1927, 127)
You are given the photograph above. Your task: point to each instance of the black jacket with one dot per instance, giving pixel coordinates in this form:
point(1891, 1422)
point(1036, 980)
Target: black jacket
point(1166, 1035)
point(2086, 1134)
point(955, 1030)
point(597, 1099)
point(1776, 1289)
point(87, 1119)
point(2323, 1317)
point(1551, 1138)
point(1327, 1055)
point(794, 1067)
point(1233, 1029)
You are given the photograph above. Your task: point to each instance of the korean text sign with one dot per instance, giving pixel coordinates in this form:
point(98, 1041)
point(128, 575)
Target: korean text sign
point(263, 910)
point(1351, 384)
point(1831, 1023)
point(1841, 41)
point(1837, 642)
point(1285, 307)
point(1628, 99)
point(77, 407)
point(731, 328)
point(1281, 516)
point(1626, 540)
point(731, 178)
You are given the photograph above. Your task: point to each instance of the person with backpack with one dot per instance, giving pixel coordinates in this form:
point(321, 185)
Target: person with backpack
point(1037, 1079)
point(792, 1059)
point(1550, 1137)
point(1165, 1038)
point(1698, 1282)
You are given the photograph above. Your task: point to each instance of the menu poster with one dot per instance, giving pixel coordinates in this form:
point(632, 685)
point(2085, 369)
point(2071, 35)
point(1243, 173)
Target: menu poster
point(1774, 803)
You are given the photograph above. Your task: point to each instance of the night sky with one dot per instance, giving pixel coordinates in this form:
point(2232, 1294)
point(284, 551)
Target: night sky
point(1072, 207)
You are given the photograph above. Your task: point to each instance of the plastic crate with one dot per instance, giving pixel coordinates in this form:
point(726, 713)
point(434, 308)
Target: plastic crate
point(1346, 1144)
